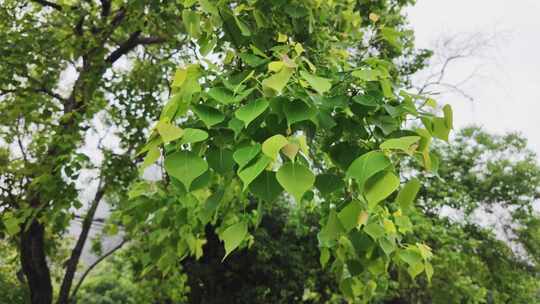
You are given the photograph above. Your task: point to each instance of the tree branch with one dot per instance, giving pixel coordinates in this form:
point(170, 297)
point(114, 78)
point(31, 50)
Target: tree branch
point(105, 8)
point(72, 263)
point(133, 41)
point(46, 3)
point(93, 265)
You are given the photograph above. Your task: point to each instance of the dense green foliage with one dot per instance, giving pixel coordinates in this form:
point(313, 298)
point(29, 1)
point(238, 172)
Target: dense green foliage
point(471, 264)
point(303, 101)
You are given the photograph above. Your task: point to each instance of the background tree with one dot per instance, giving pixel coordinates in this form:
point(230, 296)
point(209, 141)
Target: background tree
point(65, 83)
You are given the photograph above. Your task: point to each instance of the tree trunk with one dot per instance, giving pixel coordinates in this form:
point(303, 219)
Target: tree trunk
point(34, 264)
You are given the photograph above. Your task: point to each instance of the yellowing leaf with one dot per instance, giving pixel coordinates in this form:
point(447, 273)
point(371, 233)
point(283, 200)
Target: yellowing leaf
point(373, 17)
point(168, 132)
point(404, 144)
point(279, 80)
point(281, 37)
point(275, 66)
point(272, 145)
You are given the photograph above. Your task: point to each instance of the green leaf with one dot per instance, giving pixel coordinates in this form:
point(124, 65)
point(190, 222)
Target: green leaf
point(185, 166)
point(297, 111)
point(319, 84)
point(440, 129)
point(374, 230)
point(410, 256)
point(11, 223)
point(192, 136)
point(331, 231)
point(366, 166)
point(236, 125)
point(244, 155)
point(386, 87)
point(222, 95)
point(448, 116)
point(404, 144)
point(250, 173)
point(295, 179)
point(210, 207)
point(272, 145)
point(192, 22)
point(349, 215)
point(168, 132)
point(367, 74)
point(151, 157)
point(266, 186)
point(252, 60)
point(233, 236)
point(429, 271)
point(251, 111)
point(279, 80)
point(325, 257)
point(408, 193)
point(243, 27)
point(380, 187)
point(210, 116)
point(388, 245)
point(221, 160)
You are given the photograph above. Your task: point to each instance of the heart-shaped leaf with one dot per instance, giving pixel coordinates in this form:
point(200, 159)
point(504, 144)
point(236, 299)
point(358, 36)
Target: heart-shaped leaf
point(319, 84)
point(266, 186)
point(272, 145)
point(250, 173)
point(233, 236)
point(366, 166)
point(185, 166)
point(295, 179)
point(244, 155)
point(210, 116)
point(251, 111)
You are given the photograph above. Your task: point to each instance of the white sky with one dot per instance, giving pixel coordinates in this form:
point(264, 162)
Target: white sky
point(507, 89)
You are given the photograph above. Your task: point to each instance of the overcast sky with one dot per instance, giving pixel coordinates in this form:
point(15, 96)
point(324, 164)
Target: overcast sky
point(506, 90)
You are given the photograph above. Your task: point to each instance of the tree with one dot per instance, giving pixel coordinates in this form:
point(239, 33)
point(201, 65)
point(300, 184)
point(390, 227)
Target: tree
point(472, 264)
point(480, 176)
point(294, 87)
point(47, 122)
point(271, 116)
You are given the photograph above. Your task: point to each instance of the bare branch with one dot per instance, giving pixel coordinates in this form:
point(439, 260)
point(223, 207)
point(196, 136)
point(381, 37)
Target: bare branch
point(72, 263)
point(133, 41)
point(89, 269)
point(46, 3)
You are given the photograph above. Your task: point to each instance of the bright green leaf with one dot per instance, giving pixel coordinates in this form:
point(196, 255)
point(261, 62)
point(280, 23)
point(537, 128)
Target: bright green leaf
point(250, 173)
point(233, 236)
point(272, 145)
point(251, 111)
point(407, 194)
point(319, 84)
point(168, 132)
point(279, 80)
point(192, 136)
point(381, 186)
point(404, 144)
point(366, 166)
point(185, 166)
point(210, 116)
point(244, 155)
point(295, 179)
